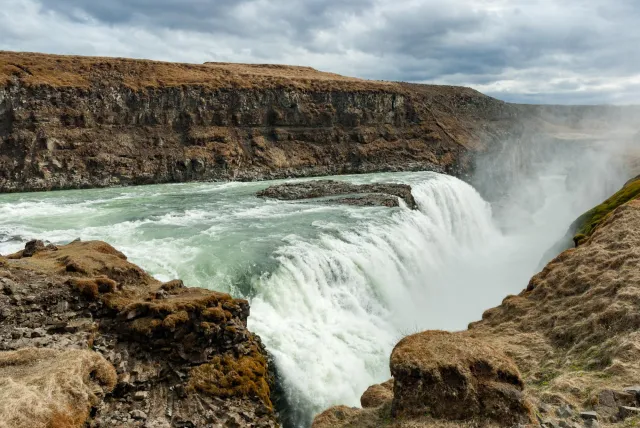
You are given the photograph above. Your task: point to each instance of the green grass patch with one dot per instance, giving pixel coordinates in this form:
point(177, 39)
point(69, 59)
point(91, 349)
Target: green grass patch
point(589, 221)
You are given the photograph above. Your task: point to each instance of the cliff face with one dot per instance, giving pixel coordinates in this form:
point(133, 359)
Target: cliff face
point(88, 339)
point(70, 122)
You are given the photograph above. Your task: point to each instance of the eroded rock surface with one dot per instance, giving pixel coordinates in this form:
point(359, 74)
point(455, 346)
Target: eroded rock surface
point(453, 377)
point(77, 122)
point(174, 356)
point(382, 194)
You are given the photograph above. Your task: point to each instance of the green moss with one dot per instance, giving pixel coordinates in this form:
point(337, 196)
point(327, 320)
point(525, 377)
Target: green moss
point(589, 221)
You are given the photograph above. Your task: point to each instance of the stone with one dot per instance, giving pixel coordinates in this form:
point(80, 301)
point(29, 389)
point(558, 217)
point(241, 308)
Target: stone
point(609, 402)
point(38, 332)
point(550, 424)
point(141, 395)
point(628, 412)
point(589, 416)
point(8, 286)
point(634, 390)
point(564, 412)
point(454, 377)
point(375, 194)
point(138, 415)
point(544, 408)
point(32, 247)
point(377, 395)
point(568, 424)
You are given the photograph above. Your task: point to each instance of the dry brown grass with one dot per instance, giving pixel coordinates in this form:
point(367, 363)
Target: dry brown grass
point(230, 376)
point(91, 260)
point(51, 388)
point(33, 69)
point(575, 330)
point(453, 377)
point(430, 351)
point(377, 395)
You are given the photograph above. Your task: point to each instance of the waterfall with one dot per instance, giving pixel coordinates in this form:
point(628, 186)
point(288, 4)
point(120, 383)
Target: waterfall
point(335, 306)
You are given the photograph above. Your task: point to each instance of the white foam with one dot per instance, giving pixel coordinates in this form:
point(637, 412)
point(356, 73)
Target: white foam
point(335, 307)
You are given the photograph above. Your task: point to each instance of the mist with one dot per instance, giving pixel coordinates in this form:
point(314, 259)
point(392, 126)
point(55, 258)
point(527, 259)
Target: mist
point(539, 184)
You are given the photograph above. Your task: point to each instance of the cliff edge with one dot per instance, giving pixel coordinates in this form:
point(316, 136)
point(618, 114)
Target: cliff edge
point(75, 122)
point(88, 339)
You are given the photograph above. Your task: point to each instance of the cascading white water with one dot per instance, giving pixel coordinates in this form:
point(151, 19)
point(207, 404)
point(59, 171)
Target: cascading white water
point(332, 288)
point(335, 307)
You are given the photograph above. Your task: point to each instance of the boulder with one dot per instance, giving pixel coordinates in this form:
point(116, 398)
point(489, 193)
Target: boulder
point(589, 416)
point(377, 395)
point(382, 194)
point(453, 377)
point(32, 247)
point(626, 412)
point(610, 401)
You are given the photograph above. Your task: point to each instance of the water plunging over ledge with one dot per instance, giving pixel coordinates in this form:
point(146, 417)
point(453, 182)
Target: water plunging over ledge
point(332, 288)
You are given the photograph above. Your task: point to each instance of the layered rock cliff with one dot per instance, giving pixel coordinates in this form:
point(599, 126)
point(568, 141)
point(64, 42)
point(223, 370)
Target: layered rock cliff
point(562, 353)
point(89, 339)
point(73, 122)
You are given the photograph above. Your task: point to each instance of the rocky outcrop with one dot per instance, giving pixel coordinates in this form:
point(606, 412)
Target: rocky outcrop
point(452, 377)
point(382, 194)
point(441, 378)
point(74, 122)
point(95, 341)
point(567, 346)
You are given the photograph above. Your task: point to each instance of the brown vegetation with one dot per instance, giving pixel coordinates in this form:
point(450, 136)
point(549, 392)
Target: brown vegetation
point(51, 388)
point(74, 71)
point(182, 354)
point(452, 377)
point(232, 376)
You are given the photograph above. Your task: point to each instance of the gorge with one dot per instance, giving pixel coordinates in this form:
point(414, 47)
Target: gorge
point(331, 287)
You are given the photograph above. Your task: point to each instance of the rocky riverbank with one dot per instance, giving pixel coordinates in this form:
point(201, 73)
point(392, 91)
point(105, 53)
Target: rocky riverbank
point(563, 353)
point(381, 194)
point(89, 339)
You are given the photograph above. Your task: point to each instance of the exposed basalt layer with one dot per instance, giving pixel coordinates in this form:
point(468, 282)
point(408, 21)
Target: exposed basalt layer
point(383, 194)
point(71, 122)
point(573, 333)
point(182, 356)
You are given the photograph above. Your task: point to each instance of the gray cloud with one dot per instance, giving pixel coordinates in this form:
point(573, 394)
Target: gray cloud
point(560, 51)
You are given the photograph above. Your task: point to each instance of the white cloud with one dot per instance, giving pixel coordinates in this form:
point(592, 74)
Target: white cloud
point(522, 50)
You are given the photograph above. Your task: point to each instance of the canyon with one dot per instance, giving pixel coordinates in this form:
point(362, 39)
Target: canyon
point(78, 122)
point(95, 340)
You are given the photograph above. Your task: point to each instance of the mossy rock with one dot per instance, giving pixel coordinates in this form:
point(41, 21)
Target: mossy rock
point(589, 221)
point(227, 376)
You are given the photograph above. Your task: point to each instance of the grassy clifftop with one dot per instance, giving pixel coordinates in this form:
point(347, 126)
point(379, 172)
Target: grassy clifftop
point(591, 220)
point(35, 69)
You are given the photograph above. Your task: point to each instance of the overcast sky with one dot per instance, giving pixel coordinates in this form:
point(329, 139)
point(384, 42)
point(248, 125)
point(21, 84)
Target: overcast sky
point(551, 51)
